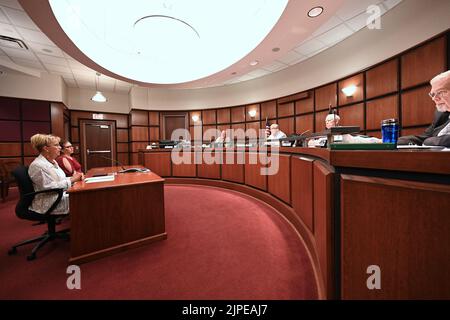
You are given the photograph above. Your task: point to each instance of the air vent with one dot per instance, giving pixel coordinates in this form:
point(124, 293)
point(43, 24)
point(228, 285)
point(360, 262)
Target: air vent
point(6, 41)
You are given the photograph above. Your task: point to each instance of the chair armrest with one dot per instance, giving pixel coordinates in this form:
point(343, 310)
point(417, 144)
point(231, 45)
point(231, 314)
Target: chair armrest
point(60, 192)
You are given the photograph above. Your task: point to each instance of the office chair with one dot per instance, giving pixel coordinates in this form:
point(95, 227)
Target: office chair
point(27, 195)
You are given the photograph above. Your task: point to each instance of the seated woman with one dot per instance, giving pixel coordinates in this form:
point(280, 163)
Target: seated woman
point(66, 162)
point(46, 174)
point(223, 137)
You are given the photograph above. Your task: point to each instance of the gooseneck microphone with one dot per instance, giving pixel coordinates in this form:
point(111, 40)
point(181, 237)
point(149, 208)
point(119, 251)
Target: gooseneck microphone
point(122, 166)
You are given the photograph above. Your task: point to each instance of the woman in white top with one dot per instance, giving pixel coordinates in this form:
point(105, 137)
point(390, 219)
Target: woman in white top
point(46, 174)
point(223, 137)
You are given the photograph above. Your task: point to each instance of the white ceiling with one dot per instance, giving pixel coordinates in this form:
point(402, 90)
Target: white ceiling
point(43, 55)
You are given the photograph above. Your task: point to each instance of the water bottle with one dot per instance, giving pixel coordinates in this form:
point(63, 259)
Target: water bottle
point(389, 130)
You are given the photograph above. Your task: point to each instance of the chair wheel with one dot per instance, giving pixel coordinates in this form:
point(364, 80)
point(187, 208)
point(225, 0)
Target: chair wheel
point(31, 257)
point(12, 251)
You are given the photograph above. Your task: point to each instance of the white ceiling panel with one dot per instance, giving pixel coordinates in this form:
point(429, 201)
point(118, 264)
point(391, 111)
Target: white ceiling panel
point(34, 36)
point(70, 83)
point(330, 24)
point(57, 68)
point(291, 57)
point(53, 60)
point(8, 30)
point(258, 73)
point(335, 35)
point(354, 7)
point(35, 64)
point(3, 17)
point(389, 4)
point(11, 4)
point(19, 53)
point(310, 46)
point(45, 49)
point(20, 19)
point(275, 66)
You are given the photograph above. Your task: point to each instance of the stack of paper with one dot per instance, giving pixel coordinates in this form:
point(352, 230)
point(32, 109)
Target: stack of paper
point(99, 179)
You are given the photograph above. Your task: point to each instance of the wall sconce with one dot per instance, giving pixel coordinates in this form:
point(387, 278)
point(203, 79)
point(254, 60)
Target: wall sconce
point(349, 91)
point(252, 113)
point(195, 118)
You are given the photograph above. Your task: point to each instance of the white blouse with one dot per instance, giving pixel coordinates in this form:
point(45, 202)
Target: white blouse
point(47, 175)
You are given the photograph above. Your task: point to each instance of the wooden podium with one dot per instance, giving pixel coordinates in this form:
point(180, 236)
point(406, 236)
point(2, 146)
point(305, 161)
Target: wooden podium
point(113, 216)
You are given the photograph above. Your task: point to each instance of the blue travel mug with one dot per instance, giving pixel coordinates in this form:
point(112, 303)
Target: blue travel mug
point(389, 130)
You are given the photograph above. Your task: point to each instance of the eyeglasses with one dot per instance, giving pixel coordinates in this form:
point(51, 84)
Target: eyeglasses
point(66, 147)
point(439, 94)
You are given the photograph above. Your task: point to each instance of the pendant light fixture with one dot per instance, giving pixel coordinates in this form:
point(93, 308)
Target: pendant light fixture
point(98, 96)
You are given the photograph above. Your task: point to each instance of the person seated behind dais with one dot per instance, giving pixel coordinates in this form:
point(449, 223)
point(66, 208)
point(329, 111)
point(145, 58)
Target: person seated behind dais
point(438, 133)
point(223, 137)
point(45, 174)
point(274, 134)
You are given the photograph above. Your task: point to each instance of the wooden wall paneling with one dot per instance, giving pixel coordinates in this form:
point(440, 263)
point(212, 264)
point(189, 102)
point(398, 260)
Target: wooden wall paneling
point(279, 184)
point(28, 150)
point(238, 114)
point(379, 109)
point(30, 128)
point(358, 81)
point(287, 125)
point(382, 79)
point(413, 131)
point(222, 127)
point(153, 118)
point(248, 109)
point(185, 169)
point(18, 160)
point(121, 119)
point(123, 158)
point(324, 223)
point(417, 107)
point(208, 170)
point(325, 96)
point(134, 158)
point(10, 131)
point(210, 133)
point(302, 190)
point(136, 146)
point(233, 167)
point(253, 176)
point(223, 115)
point(375, 133)
point(352, 115)
point(209, 116)
point(305, 105)
point(286, 109)
point(304, 123)
point(138, 118)
point(34, 110)
point(76, 115)
point(122, 147)
point(28, 160)
point(256, 126)
point(57, 116)
point(10, 149)
point(238, 126)
point(404, 229)
point(195, 113)
point(154, 134)
point(122, 135)
point(75, 134)
point(158, 162)
point(269, 110)
point(139, 134)
point(293, 97)
point(320, 120)
point(423, 63)
point(9, 108)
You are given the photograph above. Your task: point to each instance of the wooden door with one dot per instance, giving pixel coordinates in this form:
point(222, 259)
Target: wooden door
point(98, 144)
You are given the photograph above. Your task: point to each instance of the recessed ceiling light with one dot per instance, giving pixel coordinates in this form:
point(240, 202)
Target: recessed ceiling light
point(149, 35)
point(254, 63)
point(315, 12)
point(276, 49)
point(233, 73)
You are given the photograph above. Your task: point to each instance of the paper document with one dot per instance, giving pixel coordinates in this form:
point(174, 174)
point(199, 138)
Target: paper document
point(99, 179)
point(418, 147)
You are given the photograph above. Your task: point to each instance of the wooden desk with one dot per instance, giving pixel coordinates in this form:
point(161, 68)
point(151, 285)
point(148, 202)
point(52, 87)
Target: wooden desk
point(113, 216)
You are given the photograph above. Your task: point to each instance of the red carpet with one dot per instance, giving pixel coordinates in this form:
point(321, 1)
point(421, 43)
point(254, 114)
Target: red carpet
point(221, 245)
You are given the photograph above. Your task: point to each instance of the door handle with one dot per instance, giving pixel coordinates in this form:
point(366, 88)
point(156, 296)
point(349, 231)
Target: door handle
point(97, 151)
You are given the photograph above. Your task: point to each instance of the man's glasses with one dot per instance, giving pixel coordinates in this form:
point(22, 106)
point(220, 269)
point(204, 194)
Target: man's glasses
point(438, 94)
point(67, 147)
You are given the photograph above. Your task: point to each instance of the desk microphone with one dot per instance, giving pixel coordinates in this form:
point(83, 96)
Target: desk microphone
point(122, 166)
